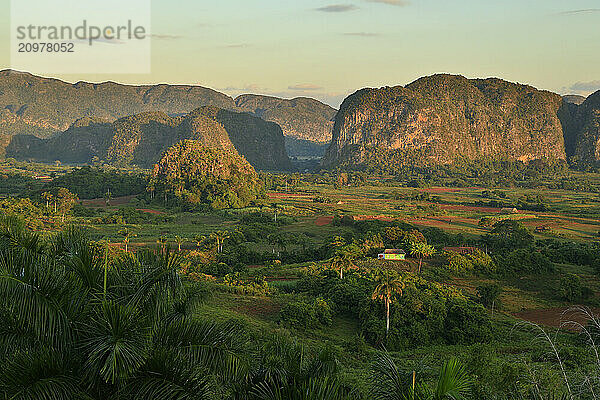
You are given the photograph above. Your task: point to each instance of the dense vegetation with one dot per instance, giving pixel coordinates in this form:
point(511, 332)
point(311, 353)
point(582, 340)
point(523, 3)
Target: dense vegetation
point(196, 174)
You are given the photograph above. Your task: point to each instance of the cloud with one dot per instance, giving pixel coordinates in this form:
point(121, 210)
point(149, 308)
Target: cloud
point(335, 8)
point(236, 46)
point(165, 37)
point(585, 87)
point(305, 87)
point(362, 34)
point(398, 3)
point(251, 87)
point(583, 11)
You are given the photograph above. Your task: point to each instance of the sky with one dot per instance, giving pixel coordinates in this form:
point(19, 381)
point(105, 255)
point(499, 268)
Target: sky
point(329, 49)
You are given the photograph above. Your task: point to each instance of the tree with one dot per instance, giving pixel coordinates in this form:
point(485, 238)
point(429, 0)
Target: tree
point(421, 250)
point(342, 261)
point(388, 287)
point(162, 242)
point(219, 237)
point(108, 197)
point(199, 239)
point(338, 242)
point(489, 294)
point(179, 240)
point(68, 337)
point(127, 234)
point(48, 197)
point(389, 383)
point(65, 200)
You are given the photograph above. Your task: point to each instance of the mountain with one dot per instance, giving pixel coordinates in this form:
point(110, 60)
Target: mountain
point(583, 132)
point(200, 174)
point(443, 118)
point(300, 118)
point(574, 99)
point(142, 139)
point(39, 106)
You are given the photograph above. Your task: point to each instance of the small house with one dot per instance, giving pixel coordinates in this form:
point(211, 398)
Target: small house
point(392, 254)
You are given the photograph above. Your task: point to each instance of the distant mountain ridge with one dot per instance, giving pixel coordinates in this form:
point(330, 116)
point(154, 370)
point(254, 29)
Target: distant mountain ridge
point(442, 118)
point(300, 118)
point(29, 104)
point(43, 106)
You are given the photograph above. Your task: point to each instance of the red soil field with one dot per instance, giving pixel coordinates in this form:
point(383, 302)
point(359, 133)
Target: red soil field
point(117, 201)
point(146, 210)
point(322, 221)
point(552, 317)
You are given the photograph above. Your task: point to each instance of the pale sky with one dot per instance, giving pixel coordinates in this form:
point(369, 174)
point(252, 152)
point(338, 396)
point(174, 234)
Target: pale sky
point(328, 49)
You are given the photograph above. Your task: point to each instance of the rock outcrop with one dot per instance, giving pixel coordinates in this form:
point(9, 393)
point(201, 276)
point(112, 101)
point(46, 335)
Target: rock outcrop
point(444, 118)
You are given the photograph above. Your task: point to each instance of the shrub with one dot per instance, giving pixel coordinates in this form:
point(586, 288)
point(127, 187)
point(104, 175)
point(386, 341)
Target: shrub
point(572, 289)
point(489, 294)
point(305, 314)
point(525, 261)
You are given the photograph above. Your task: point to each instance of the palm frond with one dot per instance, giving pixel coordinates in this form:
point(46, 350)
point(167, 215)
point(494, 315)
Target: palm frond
point(41, 375)
point(116, 342)
point(454, 382)
point(215, 347)
point(168, 376)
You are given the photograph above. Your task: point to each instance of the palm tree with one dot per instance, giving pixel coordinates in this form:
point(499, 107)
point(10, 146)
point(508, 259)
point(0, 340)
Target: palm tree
point(48, 197)
point(389, 383)
point(342, 261)
point(63, 338)
point(199, 239)
point(219, 237)
point(388, 287)
point(284, 370)
point(179, 240)
point(162, 242)
point(421, 250)
point(127, 234)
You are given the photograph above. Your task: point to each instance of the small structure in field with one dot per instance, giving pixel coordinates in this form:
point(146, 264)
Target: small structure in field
point(542, 229)
point(392, 254)
point(462, 250)
point(509, 210)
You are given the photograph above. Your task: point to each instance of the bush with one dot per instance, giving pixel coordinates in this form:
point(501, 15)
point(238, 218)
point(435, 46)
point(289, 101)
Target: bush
point(572, 289)
point(489, 294)
point(524, 261)
point(304, 314)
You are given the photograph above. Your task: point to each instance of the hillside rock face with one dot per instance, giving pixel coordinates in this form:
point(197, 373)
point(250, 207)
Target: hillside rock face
point(443, 118)
point(300, 118)
point(583, 132)
point(142, 139)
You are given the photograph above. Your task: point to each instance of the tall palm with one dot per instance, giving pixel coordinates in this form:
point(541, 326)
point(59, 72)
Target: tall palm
point(47, 196)
point(62, 338)
point(388, 382)
point(421, 250)
point(179, 240)
point(388, 287)
point(127, 234)
point(342, 261)
point(219, 237)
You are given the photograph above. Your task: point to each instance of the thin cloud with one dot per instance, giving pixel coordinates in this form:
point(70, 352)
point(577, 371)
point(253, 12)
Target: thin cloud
point(584, 11)
point(585, 87)
point(305, 87)
point(236, 46)
point(362, 34)
point(165, 37)
point(398, 3)
point(252, 87)
point(336, 8)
